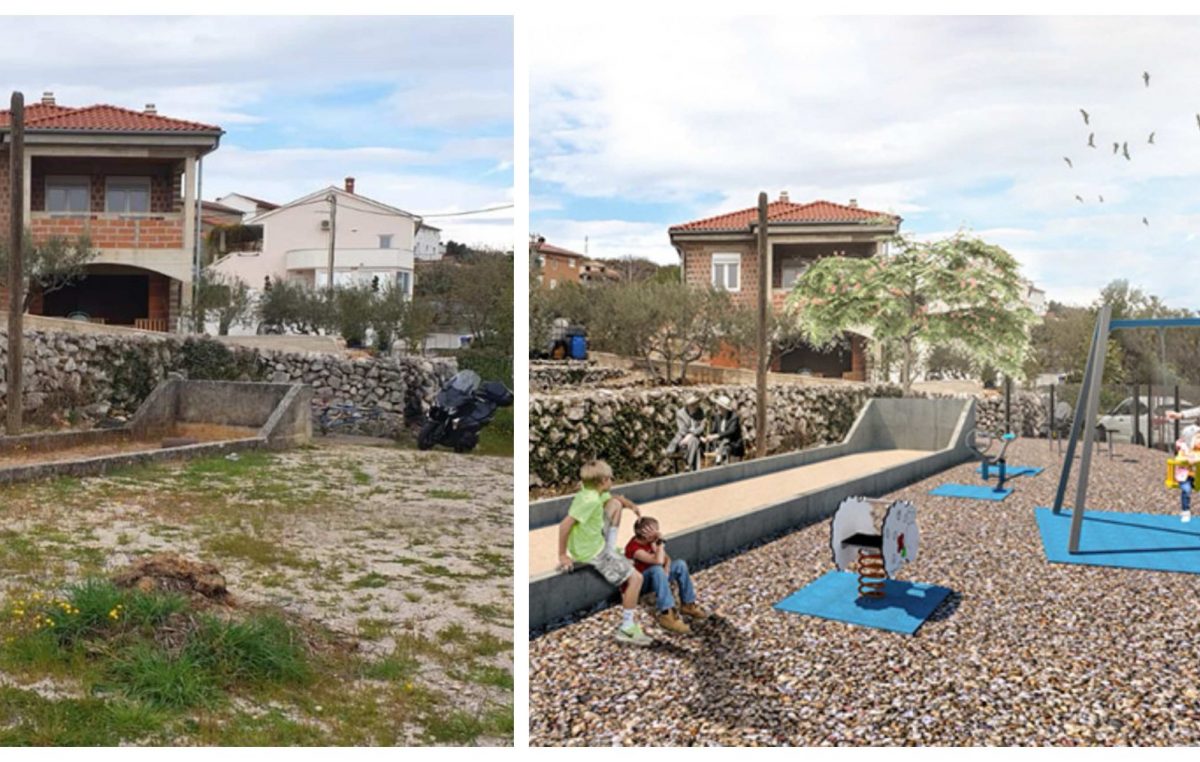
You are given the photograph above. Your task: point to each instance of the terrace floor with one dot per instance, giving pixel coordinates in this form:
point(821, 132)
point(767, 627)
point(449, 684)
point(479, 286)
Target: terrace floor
point(1024, 652)
point(406, 555)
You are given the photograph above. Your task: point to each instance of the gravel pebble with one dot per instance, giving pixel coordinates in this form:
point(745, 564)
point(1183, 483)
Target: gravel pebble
point(1024, 652)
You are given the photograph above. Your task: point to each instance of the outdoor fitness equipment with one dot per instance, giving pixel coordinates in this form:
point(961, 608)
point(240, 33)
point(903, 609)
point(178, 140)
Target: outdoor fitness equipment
point(874, 549)
point(981, 442)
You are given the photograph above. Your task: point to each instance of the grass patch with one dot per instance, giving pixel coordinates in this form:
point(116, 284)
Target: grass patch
point(247, 547)
point(448, 494)
point(373, 629)
point(497, 437)
point(370, 580)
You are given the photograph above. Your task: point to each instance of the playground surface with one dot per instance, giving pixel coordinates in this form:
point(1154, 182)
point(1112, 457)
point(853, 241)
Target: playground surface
point(701, 507)
point(1023, 652)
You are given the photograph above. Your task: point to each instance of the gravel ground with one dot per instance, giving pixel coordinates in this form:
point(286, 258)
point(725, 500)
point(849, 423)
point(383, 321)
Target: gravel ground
point(1024, 652)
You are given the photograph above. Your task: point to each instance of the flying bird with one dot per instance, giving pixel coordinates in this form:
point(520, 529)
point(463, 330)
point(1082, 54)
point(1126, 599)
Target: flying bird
point(1102, 199)
point(1085, 116)
point(1146, 222)
point(1091, 140)
point(1116, 147)
point(1152, 138)
point(1068, 161)
point(1079, 198)
point(1125, 150)
point(1146, 78)
point(1198, 120)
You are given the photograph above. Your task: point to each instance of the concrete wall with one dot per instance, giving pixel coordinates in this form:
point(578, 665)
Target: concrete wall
point(883, 424)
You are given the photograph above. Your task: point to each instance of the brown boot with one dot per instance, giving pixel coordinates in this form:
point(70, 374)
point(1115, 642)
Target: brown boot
point(694, 611)
point(670, 621)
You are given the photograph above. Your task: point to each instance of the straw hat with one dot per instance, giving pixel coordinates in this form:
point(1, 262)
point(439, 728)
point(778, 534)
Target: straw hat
point(724, 402)
point(692, 399)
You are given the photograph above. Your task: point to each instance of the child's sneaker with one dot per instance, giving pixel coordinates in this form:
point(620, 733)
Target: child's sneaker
point(1186, 516)
point(669, 620)
point(694, 611)
point(633, 636)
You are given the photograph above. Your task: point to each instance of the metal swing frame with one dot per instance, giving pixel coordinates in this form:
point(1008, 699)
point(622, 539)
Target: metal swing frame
point(1086, 408)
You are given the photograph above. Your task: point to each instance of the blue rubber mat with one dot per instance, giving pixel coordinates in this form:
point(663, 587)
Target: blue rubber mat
point(1012, 472)
point(1157, 541)
point(971, 491)
point(904, 607)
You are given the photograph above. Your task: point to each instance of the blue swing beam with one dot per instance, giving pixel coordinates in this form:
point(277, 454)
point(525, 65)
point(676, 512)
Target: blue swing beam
point(1086, 409)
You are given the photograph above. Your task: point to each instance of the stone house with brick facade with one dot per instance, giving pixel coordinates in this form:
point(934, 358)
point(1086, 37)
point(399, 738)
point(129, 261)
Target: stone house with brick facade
point(555, 264)
point(126, 178)
point(722, 251)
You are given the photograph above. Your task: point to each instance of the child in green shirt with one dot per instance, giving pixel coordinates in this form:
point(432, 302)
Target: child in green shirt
point(588, 535)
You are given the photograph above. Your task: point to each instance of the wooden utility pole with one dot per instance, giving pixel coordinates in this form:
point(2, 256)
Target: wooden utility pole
point(16, 269)
point(764, 349)
point(332, 235)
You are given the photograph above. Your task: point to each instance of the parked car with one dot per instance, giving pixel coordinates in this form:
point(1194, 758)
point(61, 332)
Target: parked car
point(1118, 423)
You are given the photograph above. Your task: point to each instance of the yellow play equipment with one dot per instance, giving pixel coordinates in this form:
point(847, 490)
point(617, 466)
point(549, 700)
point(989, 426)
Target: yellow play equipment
point(1174, 463)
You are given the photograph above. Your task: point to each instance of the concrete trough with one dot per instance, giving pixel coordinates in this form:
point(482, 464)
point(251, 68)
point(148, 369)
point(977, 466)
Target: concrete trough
point(276, 416)
point(914, 438)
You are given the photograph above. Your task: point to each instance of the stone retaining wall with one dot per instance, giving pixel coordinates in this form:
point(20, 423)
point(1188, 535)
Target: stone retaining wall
point(553, 376)
point(82, 378)
point(630, 428)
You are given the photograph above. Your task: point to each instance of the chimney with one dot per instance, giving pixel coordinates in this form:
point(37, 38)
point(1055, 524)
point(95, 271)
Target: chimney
point(783, 196)
point(349, 184)
point(48, 98)
point(853, 203)
point(150, 110)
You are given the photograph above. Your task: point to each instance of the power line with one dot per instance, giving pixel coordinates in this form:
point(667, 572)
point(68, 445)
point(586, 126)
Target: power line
point(473, 211)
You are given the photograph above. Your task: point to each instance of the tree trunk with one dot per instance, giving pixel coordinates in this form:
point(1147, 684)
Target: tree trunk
point(907, 370)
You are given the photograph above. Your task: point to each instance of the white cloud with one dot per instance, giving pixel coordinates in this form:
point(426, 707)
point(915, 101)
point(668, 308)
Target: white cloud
point(950, 122)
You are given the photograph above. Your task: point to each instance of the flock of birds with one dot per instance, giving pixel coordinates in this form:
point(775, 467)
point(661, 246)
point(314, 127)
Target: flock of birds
point(1118, 147)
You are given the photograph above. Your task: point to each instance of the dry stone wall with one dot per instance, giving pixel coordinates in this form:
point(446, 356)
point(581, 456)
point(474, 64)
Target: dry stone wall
point(631, 428)
point(84, 378)
point(553, 376)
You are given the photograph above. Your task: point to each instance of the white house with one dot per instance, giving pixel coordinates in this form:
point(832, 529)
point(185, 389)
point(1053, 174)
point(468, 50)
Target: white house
point(371, 240)
point(248, 205)
point(429, 244)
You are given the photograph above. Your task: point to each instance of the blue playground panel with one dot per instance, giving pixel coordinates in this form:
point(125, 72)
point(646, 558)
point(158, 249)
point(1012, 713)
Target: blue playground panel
point(904, 607)
point(971, 491)
point(1160, 542)
point(1011, 472)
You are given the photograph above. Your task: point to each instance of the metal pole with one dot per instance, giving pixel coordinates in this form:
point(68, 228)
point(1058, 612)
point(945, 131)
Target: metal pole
point(1077, 421)
point(1007, 404)
point(764, 350)
point(1089, 430)
point(332, 199)
point(1176, 410)
point(16, 265)
point(1150, 415)
point(1050, 417)
point(1137, 418)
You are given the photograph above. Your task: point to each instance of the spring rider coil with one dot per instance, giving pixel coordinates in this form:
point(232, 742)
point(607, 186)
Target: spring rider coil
point(871, 574)
point(873, 539)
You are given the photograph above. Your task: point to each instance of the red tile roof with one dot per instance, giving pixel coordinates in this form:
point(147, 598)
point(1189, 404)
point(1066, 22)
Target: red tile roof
point(101, 118)
point(546, 248)
point(816, 212)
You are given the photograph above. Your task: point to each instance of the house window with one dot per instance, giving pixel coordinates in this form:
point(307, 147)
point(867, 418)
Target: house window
point(385, 241)
point(570, 263)
point(727, 271)
point(404, 282)
point(127, 195)
point(68, 194)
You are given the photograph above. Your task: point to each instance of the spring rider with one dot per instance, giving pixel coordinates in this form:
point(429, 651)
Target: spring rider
point(874, 538)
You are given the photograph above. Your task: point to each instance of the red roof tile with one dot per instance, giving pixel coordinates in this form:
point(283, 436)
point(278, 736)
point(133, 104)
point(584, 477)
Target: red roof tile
point(816, 212)
point(101, 118)
point(546, 248)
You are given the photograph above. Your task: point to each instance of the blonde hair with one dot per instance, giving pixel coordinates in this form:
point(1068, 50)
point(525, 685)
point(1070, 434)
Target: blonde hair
point(643, 524)
point(595, 472)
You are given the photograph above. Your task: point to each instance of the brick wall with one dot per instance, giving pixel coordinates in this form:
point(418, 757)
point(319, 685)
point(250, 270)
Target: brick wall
point(557, 268)
point(697, 267)
point(165, 180)
point(114, 233)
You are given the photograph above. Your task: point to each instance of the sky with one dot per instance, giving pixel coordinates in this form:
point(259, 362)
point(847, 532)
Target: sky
point(419, 110)
point(952, 123)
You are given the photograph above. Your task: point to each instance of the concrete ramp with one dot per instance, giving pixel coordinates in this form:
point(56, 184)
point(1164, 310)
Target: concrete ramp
point(714, 512)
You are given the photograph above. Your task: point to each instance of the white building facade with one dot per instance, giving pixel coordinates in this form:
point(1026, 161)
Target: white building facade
point(429, 246)
point(371, 241)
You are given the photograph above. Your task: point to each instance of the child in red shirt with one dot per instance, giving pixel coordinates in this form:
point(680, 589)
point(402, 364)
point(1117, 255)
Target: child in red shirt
point(649, 555)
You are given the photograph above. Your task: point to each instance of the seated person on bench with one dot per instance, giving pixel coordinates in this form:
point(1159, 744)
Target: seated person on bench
point(726, 437)
point(689, 428)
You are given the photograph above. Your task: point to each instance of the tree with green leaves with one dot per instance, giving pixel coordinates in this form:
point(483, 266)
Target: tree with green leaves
point(224, 296)
point(959, 291)
point(50, 264)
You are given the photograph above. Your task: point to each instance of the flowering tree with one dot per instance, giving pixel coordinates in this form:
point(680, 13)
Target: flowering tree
point(959, 292)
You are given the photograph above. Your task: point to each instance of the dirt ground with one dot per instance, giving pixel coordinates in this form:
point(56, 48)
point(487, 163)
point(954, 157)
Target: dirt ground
point(386, 545)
